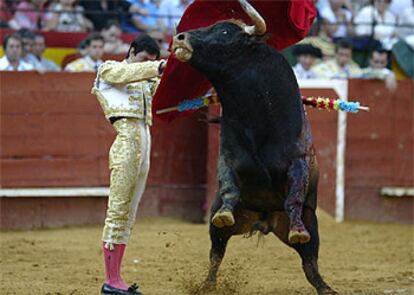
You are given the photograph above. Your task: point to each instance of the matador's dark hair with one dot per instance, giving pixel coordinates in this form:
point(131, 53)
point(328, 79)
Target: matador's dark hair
point(144, 43)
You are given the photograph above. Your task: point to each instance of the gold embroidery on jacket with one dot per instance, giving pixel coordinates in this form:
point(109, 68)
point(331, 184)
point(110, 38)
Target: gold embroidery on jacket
point(139, 102)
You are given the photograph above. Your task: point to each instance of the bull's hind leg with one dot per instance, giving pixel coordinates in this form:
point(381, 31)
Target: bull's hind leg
point(298, 176)
point(309, 251)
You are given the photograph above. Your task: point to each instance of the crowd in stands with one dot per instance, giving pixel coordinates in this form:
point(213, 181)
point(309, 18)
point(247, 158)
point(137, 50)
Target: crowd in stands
point(380, 28)
point(92, 15)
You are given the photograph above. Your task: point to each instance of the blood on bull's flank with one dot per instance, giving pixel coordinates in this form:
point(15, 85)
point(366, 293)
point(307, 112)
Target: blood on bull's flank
point(267, 170)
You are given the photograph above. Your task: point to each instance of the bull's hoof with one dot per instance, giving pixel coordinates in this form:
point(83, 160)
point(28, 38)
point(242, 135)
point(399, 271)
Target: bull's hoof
point(299, 236)
point(223, 218)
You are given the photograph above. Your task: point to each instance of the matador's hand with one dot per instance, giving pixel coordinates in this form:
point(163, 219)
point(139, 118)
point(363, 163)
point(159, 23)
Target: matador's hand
point(162, 66)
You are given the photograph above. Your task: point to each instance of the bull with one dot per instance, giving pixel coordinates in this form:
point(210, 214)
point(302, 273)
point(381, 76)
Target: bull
point(267, 169)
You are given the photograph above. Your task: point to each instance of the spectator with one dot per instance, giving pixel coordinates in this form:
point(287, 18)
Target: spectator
point(83, 47)
point(160, 38)
point(67, 17)
point(306, 55)
point(406, 22)
point(93, 59)
point(12, 60)
point(378, 22)
point(100, 11)
point(402, 53)
point(378, 69)
point(7, 9)
point(339, 19)
point(28, 37)
point(29, 15)
point(39, 47)
point(170, 13)
point(112, 35)
point(342, 66)
point(147, 20)
point(323, 40)
point(397, 7)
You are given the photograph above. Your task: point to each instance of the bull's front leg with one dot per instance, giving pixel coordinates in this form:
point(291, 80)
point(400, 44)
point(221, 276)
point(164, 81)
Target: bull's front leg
point(298, 181)
point(229, 193)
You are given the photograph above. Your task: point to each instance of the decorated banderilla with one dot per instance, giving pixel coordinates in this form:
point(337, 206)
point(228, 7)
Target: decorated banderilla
point(321, 103)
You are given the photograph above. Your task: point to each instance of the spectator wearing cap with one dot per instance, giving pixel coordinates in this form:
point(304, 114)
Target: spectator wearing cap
point(306, 55)
point(93, 58)
point(341, 66)
point(12, 60)
point(112, 34)
point(29, 15)
point(378, 22)
point(39, 47)
point(378, 69)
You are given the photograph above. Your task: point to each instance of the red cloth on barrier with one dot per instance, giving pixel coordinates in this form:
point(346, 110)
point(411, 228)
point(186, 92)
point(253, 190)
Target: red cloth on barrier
point(287, 22)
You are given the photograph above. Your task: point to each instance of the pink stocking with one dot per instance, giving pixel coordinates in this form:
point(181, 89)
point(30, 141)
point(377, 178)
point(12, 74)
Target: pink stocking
point(113, 259)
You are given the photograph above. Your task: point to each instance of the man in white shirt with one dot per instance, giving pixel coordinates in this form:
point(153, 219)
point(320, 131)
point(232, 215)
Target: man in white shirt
point(171, 12)
point(306, 55)
point(39, 47)
point(406, 22)
point(93, 58)
point(377, 21)
point(28, 37)
point(12, 60)
point(378, 69)
point(338, 18)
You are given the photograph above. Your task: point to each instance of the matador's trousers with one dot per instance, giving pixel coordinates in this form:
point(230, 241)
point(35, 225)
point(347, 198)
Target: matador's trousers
point(129, 159)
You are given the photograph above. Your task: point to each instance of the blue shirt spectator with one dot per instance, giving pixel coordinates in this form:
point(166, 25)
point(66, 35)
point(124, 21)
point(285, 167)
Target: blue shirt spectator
point(171, 12)
point(144, 20)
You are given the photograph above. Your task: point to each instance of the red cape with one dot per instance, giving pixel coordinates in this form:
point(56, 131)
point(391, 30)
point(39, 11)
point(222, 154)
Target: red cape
point(288, 21)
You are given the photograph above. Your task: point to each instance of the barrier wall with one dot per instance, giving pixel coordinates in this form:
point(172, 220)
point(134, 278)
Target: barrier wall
point(53, 134)
point(380, 152)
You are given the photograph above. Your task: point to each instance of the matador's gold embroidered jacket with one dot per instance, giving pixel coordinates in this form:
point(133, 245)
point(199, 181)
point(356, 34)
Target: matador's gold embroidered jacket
point(126, 90)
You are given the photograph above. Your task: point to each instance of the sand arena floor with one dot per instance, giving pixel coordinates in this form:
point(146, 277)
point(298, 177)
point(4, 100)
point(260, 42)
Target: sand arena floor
point(170, 257)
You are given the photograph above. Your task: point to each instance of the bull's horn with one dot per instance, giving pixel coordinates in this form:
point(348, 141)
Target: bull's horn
point(259, 27)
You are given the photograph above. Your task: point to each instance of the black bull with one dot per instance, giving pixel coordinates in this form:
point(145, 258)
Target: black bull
point(267, 168)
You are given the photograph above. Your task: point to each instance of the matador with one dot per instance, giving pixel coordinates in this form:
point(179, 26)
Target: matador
point(124, 91)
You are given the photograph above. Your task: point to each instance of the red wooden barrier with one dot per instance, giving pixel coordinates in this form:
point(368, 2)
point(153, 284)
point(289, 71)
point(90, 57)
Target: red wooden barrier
point(380, 152)
point(53, 134)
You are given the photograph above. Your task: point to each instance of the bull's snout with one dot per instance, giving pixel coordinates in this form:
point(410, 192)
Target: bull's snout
point(182, 47)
